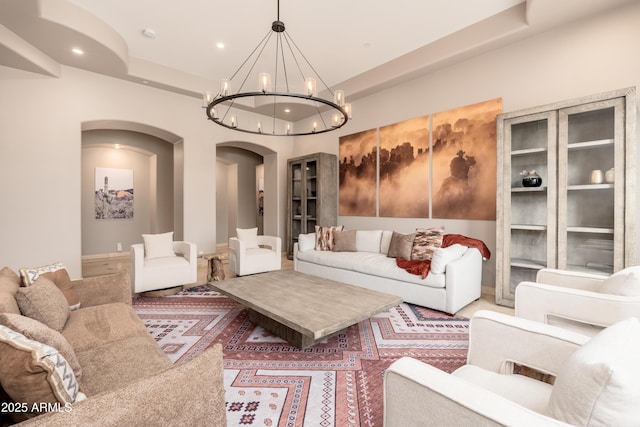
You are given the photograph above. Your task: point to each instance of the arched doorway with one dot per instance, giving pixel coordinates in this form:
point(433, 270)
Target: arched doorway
point(153, 157)
point(242, 170)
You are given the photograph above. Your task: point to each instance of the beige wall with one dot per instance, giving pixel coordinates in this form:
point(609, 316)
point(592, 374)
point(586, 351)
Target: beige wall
point(40, 131)
point(588, 57)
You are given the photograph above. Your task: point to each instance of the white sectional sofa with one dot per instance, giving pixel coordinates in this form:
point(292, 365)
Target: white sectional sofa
point(370, 267)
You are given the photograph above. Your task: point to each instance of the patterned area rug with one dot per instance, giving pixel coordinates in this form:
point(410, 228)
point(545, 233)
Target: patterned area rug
point(271, 383)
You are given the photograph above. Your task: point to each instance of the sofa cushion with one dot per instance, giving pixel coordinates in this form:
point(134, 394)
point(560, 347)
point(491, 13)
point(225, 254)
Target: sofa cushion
point(168, 270)
point(344, 241)
point(45, 303)
point(306, 241)
point(58, 274)
point(114, 365)
point(598, 384)
point(401, 245)
point(35, 373)
point(626, 284)
point(369, 263)
point(368, 240)
point(443, 256)
point(324, 237)
point(427, 240)
point(9, 281)
point(248, 236)
point(40, 332)
point(158, 245)
point(102, 324)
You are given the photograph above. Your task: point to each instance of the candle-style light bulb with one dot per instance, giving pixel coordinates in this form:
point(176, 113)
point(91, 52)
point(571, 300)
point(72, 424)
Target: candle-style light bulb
point(310, 86)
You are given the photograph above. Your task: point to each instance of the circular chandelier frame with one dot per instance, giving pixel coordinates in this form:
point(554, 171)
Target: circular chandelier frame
point(220, 107)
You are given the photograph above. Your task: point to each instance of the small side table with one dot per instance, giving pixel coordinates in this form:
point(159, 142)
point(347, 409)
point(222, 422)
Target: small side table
point(215, 270)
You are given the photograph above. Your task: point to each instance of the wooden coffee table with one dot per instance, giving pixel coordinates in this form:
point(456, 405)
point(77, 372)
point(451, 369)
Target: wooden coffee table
point(301, 308)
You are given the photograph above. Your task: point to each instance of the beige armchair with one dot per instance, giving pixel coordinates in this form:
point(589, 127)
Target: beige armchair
point(597, 381)
point(583, 302)
point(161, 263)
point(250, 253)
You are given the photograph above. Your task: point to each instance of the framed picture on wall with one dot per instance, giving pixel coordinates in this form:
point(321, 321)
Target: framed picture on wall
point(358, 174)
point(114, 193)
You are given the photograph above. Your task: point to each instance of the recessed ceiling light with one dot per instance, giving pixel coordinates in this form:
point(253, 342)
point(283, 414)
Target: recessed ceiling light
point(220, 45)
point(116, 146)
point(149, 32)
point(287, 110)
point(77, 51)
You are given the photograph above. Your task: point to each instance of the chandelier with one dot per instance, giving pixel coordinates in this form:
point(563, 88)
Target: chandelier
point(264, 104)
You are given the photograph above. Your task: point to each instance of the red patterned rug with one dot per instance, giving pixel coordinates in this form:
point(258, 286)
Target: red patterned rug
point(271, 383)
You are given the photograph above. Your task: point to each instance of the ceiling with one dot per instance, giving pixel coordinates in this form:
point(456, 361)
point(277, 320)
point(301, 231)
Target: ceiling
point(360, 46)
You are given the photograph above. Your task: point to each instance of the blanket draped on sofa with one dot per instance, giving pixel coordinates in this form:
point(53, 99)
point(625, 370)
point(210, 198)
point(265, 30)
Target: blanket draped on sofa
point(421, 268)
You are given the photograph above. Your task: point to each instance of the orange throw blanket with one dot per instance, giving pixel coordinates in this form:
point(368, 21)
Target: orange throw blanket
point(421, 268)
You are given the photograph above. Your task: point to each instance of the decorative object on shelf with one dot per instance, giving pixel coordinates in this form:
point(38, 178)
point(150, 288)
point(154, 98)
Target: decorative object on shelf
point(610, 176)
point(596, 176)
point(273, 97)
point(530, 179)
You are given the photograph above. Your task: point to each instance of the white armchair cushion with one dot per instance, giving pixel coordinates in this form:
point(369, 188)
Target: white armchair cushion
point(443, 256)
point(599, 384)
point(368, 240)
point(248, 236)
point(626, 284)
point(306, 242)
point(158, 245)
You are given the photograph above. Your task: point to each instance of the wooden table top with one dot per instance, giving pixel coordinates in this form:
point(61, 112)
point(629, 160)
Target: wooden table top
point(314, 306)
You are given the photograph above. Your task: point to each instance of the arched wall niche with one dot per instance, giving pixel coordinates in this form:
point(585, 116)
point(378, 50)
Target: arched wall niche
point(226, 184)
point(155, 157)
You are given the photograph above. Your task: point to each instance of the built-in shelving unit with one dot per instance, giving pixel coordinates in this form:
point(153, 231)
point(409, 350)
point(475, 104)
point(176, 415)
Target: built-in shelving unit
point(582, 217)
point(312, 195)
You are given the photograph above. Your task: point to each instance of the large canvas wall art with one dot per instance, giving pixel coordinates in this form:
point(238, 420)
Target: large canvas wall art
point(404, 169)
point(114, 193)
point(358, 174)
point(464, 162)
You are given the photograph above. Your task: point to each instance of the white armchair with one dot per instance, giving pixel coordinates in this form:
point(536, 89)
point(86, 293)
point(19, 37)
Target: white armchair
point(175, 265)
point(596, 381)
point(583, 302)
point(247, 256)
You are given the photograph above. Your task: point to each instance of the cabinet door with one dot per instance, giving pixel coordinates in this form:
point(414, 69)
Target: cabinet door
point(311, 195)
point(296, 203)
point(526, 215)
point(591, 194)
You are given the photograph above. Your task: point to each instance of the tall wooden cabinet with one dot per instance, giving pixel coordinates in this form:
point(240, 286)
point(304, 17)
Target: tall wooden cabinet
point(312, 195)
point(583, 216)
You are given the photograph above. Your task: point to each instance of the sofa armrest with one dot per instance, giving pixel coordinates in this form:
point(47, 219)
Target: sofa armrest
point(189, 394)
point(497, 341)
point(545, 303)
point(417, 394)
point(190, 252)
point(104, 289)
point(570, 279)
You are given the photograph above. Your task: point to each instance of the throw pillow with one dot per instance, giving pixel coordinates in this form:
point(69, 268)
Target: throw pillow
point(324, 237)
point(385, 241)
point(35, 373)
point(158, 245)
point(58, 274)
point(443, 256)
point(40, 332)
point(9, 281)
point(368, 240)
point(306, 242)
point(623, 284)
point(598, 384)
point(426, 242)
point(401, 245)
point(248, 236)
point(344, 241)
point(45, 303)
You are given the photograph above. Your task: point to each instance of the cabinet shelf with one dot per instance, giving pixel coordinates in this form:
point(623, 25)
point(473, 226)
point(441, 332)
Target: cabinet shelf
point(528, 151)
point(590, 187)
point(529, 227)
point(590, 144)
point(528, 189)
point(527, 263)
point(592, 230)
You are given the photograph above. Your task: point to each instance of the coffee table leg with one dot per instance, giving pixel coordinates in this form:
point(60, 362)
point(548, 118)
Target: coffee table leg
point(292, 336)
